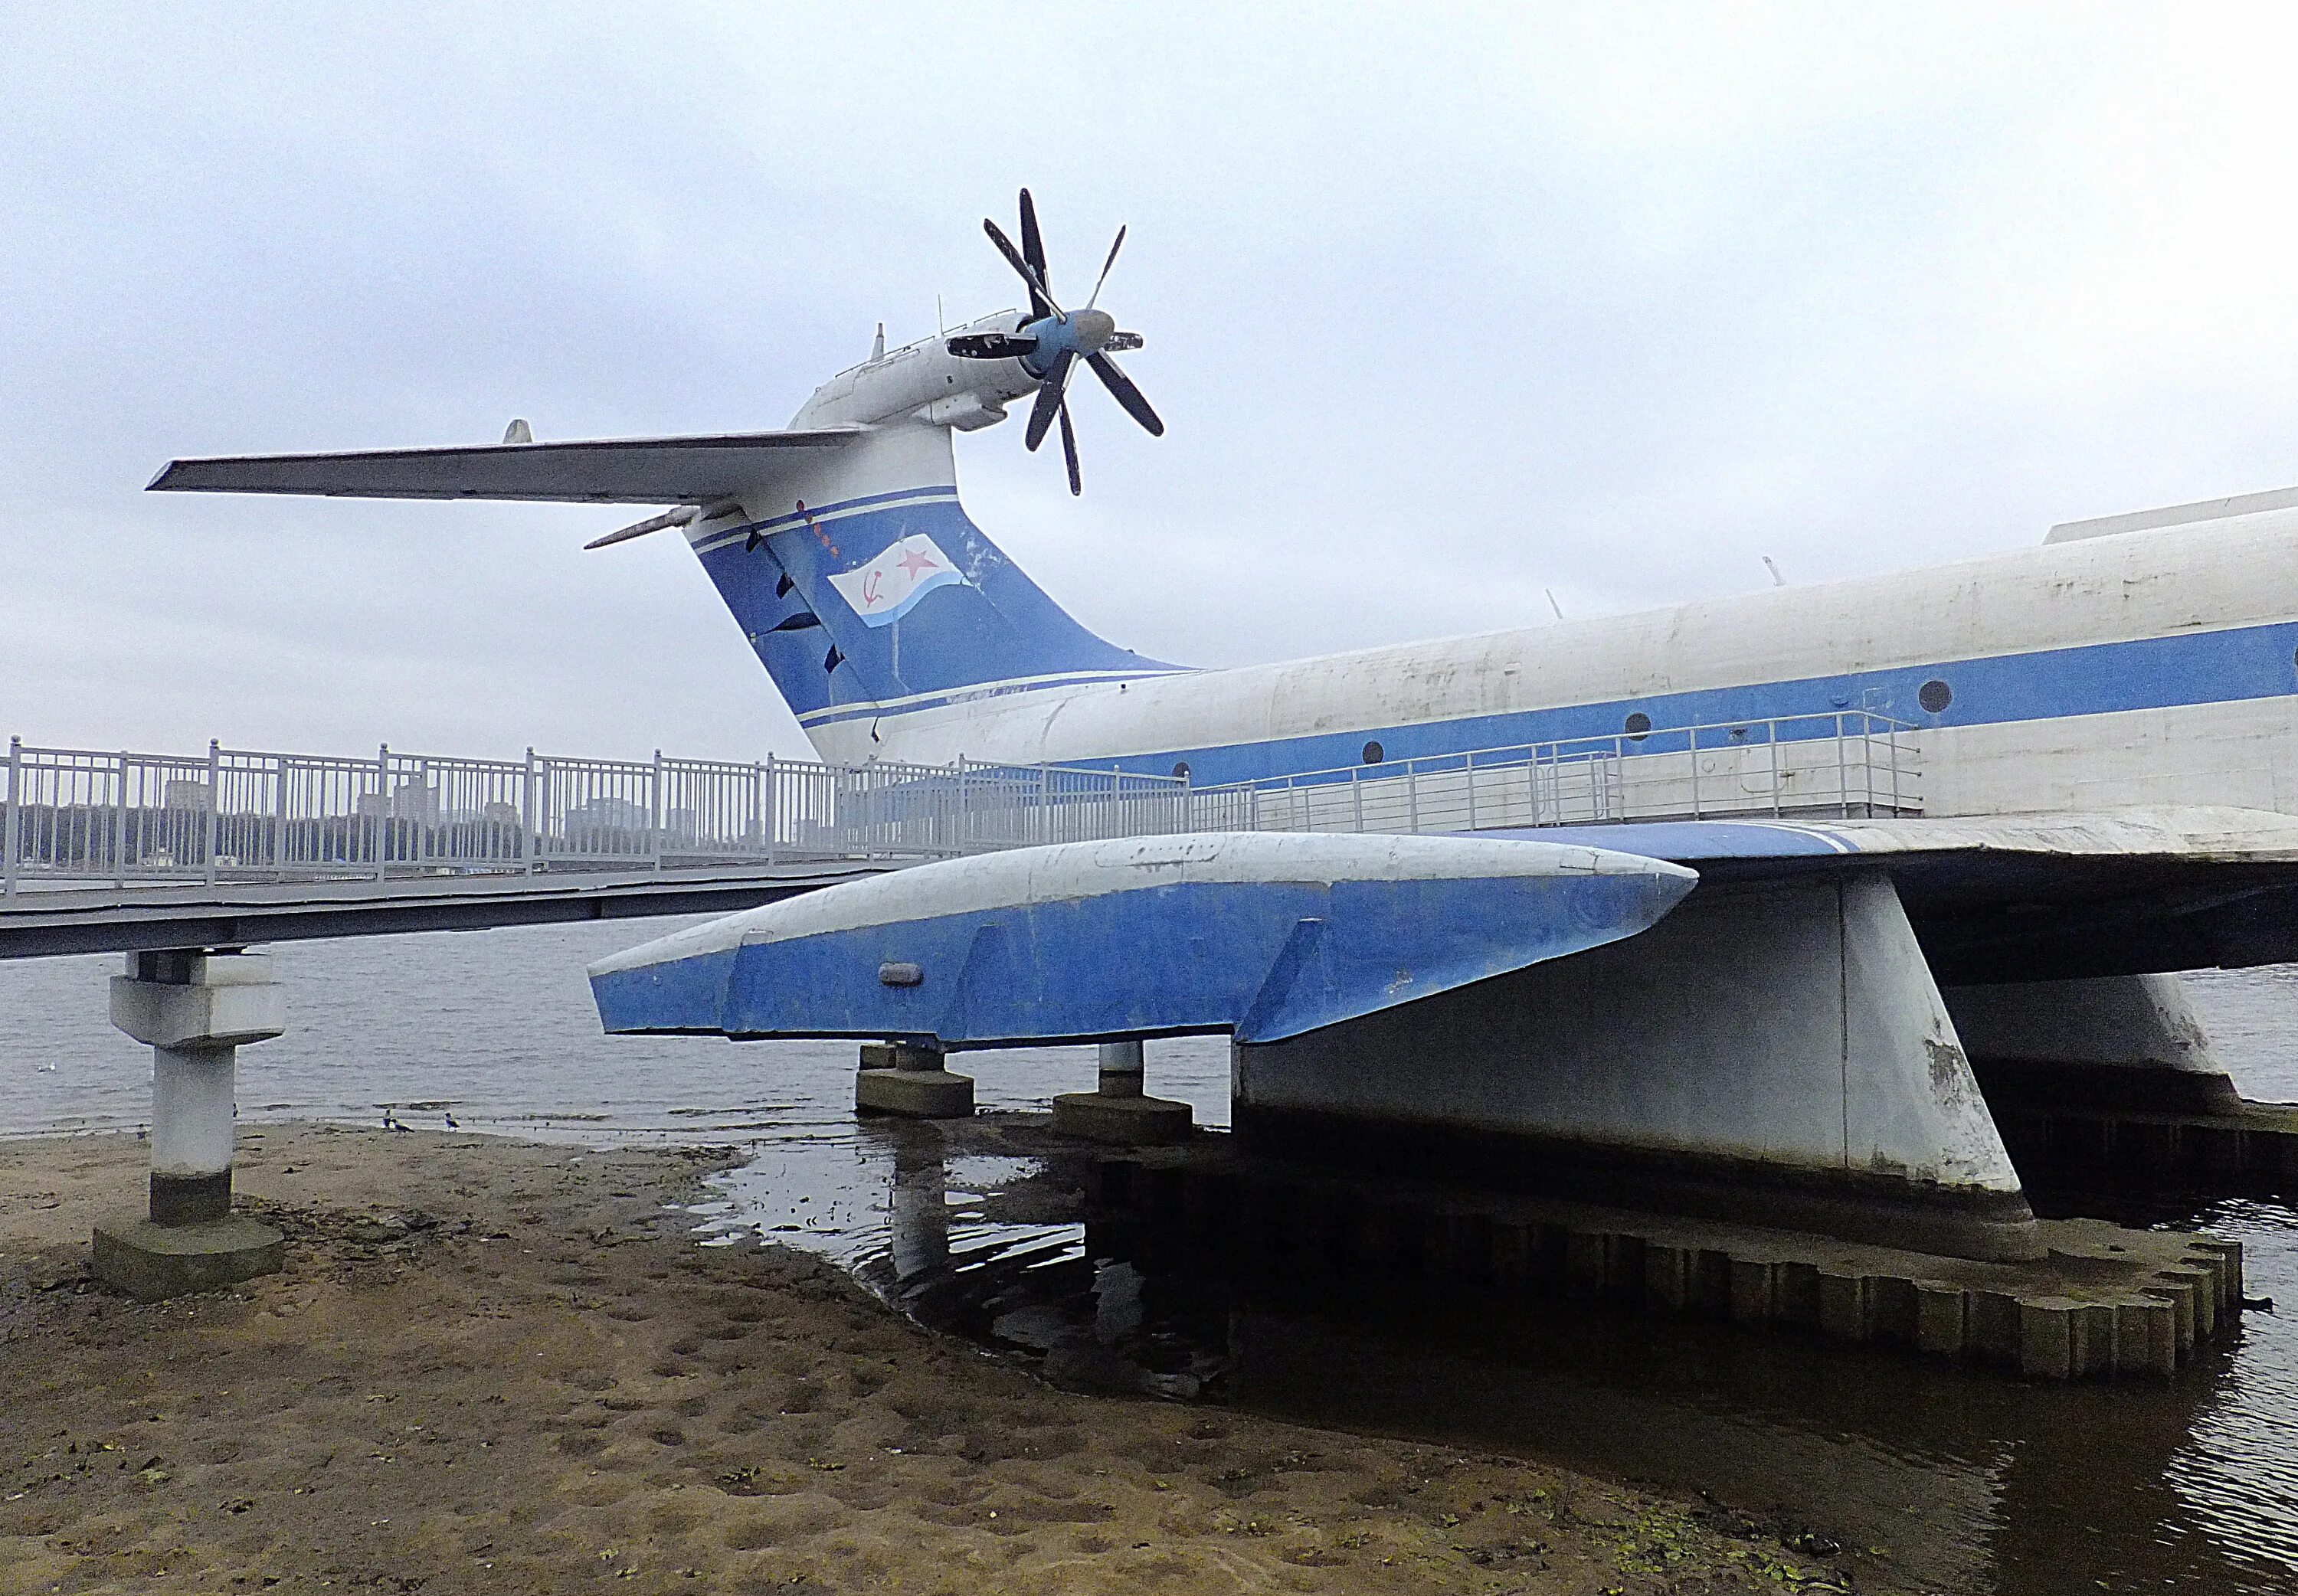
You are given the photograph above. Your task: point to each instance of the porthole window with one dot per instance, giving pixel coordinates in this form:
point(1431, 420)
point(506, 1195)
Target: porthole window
point(1374, 753)
point(1637, 725)
point(1181, 770)
point(1934, 696)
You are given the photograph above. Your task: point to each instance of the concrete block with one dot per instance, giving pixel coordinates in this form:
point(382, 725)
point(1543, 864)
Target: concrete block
point(1120, 1121)
point(2046, 1338)
point(1844, 1306)
point(1992, 1325)
point(229, 1000)
point(2225, 1261)
point(1942, 1324)
point(914, 1093)
point(2145, 1336)
point(1892, 1305)
point(1798, 1295)
point(2181, 1301)
point(1668, 1277)
point(2202, 1289)
point(151, 1261)
point(2091, 1346)
point(1754, 1292)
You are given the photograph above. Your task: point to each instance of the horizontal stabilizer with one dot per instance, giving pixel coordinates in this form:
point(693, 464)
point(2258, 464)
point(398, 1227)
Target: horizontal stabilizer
point(697, 470)
point(1262, 936)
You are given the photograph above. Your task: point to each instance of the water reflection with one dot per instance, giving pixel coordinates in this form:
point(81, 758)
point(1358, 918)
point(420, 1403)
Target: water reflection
point(1961, 1480)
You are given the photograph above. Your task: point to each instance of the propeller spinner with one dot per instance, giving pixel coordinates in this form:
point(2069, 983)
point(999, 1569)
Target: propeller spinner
point(1051, 342)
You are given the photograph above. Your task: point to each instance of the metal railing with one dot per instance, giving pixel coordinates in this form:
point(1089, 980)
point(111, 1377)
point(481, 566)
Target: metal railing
point(1840, 766)
point(71, 815)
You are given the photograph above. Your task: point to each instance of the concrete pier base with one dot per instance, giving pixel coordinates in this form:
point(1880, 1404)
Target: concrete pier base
point(1119, 1113)
point(195, 1010)
point(2099, 1301)
point(910, 1083)
point(151, 1261)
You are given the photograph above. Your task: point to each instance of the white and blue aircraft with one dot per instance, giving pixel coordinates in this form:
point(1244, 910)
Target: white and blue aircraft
point(2108, 734)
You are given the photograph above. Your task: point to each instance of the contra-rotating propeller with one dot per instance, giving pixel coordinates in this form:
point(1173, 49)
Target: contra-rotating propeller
point(1053, 341)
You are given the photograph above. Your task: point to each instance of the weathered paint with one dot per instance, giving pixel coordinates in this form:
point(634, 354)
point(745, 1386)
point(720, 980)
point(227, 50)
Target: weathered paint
point(1262, 935)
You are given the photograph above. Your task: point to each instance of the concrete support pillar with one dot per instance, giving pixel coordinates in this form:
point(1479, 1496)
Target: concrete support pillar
point(192, 1098)
point(1120, 1111)
point(1122, 1067)
point(2120, 1042)
point(899, 1079)
point(1774, 1054)
point(195, 1010)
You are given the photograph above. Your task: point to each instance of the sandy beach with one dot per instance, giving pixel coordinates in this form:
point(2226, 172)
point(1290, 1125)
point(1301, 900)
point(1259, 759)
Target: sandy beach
point(499, 1366)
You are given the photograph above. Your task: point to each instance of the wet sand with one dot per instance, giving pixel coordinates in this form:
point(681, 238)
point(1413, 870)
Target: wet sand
point(499, 1366)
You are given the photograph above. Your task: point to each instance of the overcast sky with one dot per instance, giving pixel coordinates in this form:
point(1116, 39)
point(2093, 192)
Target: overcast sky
point(1444, 307)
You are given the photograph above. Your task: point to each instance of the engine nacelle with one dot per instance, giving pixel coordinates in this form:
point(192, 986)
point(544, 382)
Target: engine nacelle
point(923, 382)
point(962, 412)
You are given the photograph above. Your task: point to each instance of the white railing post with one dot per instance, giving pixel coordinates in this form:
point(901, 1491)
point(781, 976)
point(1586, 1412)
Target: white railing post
point(963, 840)
point(120, 822)
point(383, 797)
point(215, 804)
point(656, 813)
point(1468, 766)
point(279, 811)
point(1842, 775)
point(771, 818)
point(13, 829)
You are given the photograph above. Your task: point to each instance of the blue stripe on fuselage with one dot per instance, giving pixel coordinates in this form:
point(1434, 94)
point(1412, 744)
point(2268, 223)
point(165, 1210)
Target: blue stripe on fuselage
point(2199, 667)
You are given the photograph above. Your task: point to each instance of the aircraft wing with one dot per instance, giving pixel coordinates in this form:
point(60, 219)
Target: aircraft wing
point(697, 470)
point(2059, 895)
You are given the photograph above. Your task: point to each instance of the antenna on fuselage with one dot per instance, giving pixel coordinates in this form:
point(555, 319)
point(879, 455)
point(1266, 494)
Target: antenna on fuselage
point(878, 348)
point(1777, 580)
point(1553, 604)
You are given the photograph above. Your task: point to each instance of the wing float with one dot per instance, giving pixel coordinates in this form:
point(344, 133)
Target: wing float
point(1263, 936)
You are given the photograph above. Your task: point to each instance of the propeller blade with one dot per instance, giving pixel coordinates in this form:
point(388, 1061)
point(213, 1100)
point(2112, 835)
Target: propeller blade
point(1105, 265)
point(1033, 247)
point(1120, 388)
point(1069, 448)
point(1041, 303)
point(990, 346)
point(1049, 399)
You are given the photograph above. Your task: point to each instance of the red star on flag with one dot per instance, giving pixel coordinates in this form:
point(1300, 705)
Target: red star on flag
point(914, 560)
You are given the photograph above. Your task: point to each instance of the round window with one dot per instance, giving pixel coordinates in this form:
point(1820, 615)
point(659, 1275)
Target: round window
point(1374, 753)
point(1934, 696)
point(1181, 770)
point(1637, 725)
